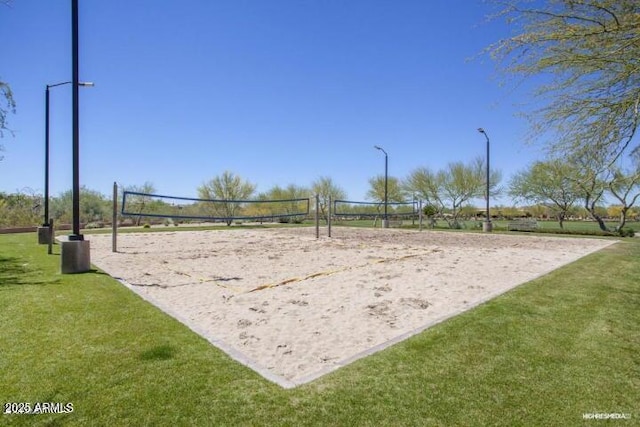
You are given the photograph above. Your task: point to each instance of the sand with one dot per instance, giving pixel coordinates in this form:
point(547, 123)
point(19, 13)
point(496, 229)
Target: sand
point(293, 307)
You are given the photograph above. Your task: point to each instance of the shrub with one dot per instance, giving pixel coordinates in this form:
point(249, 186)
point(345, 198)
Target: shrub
point(626, 232)
point(146, 225)
point(576, 232)
point(429, 210)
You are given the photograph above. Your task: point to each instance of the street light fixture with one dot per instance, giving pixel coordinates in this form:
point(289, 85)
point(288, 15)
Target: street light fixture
point(46, 147)
point(487, 226)
point(385, 222)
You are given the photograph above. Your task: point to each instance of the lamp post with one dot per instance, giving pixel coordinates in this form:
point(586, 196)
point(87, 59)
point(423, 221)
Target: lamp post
point(75, 72)
point(46, 148)
point(75, 252)
point(487, 226)
point(385, 221)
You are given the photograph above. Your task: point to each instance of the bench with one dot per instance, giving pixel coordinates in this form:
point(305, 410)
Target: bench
point(522, 225)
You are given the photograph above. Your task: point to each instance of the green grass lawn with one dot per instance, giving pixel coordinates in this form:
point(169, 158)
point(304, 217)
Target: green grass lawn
point(542, 354)
point(499, 225)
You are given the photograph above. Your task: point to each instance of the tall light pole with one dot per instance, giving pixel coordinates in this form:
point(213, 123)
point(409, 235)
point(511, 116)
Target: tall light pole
point(46, 148)
point(75, 252)
point(385, 222)
point(487, 226)
point(75, 72)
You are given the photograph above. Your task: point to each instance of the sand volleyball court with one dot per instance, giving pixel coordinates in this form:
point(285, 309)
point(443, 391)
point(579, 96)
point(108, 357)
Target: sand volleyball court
point(293, 307)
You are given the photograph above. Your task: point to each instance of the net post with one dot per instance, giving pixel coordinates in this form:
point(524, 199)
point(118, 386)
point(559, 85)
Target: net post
point(413, 210)
point(420, 215)
point(329, 217)
point(317, 216)
point(114, 220)
point(51, 236)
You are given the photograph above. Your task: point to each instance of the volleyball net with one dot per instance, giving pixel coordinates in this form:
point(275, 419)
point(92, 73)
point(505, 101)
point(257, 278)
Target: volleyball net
point(349, 209)
point(216, 210)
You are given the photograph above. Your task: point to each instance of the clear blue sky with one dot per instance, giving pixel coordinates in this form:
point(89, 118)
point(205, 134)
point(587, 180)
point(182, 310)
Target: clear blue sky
point(277, 91)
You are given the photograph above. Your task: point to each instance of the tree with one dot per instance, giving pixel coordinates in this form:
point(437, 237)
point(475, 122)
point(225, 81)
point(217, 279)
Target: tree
point(590, 51)
point(459, 183)
point(290, 208)
point(94, 207)
point(454, 186)
point(426, 185)
point(537, 211)
point(136, 203)
point(7, 106)
point(326, 189)
point(548, 183)
point(395, 192)
point(228, 190)
point(625, 187)
point(509, 212)
point(430, 211)
point(21, 209)
point(591, 174)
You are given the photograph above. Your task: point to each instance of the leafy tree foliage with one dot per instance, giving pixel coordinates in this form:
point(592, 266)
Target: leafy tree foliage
point(625, 188)
point(591, 174)
point(137, 203)
point(7, 105)
point(589, 53)
point(93, 206)
point(426, 184)
point(22, 209)
point(229, 189)
point(288, 208)
point(395, 192)
point(453, 187)
point(326, 189)
point(548, 183)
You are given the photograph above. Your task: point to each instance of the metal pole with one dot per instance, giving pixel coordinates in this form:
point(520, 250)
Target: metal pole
point(329, 218)
point(75, 123)
point(487, 224)
point(317, 216)
point(114, 220)
point(385, 222)
point(413, 210)
point(386, 185)
point(51, 236)
point(488, 213)
point(45, 223)
point(420, 215)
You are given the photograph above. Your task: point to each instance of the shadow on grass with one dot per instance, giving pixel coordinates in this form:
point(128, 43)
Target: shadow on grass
point(13, 272)
point(91, 271)
point(161, 352)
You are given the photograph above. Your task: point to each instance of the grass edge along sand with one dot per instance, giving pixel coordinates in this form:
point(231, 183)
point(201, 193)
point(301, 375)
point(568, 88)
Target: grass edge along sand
point(545, 353)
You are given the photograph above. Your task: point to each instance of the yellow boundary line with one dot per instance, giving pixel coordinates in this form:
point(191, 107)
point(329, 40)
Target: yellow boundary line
point(330, 272)
point(299, 279)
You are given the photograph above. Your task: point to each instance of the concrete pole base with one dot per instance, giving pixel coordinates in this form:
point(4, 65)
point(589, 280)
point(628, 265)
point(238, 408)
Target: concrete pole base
point(44, 235)
point(487, 226)
point(385, 223)
point(75, 257)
